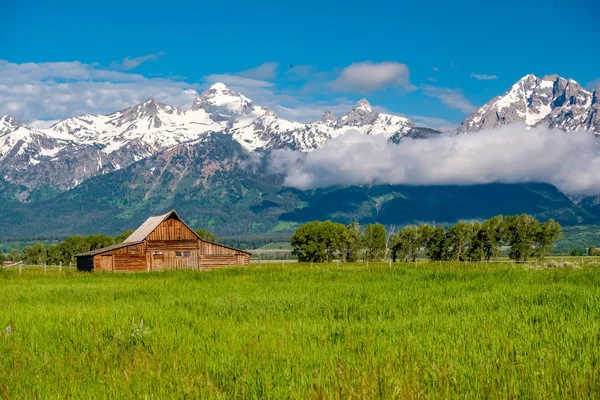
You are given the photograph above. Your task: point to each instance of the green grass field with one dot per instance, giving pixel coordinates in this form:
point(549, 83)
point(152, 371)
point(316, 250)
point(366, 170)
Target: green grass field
point(456, 331)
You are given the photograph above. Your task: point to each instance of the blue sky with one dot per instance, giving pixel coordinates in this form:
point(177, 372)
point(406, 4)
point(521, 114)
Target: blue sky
point(423, 59)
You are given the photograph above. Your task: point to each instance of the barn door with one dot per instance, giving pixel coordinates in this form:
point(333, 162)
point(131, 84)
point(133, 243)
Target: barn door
point(106, 263)
point(158, 261)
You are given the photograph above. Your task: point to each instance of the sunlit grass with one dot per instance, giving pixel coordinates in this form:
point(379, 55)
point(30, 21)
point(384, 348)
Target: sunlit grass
point(424, 331)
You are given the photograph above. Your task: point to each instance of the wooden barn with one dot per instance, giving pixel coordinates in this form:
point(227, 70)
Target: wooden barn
point(162, 242)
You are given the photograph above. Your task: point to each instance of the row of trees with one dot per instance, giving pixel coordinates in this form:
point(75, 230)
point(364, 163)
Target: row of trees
point(64, 252)
point(521, 235)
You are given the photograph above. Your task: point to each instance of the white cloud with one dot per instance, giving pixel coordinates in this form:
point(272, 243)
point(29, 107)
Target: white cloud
point(453, 98)
point(42, 124)
point(431, 79)
point(510, 154)
point(366, 77)
point(483, 77)
point(57, 90)
point(264, 71)
point(436, 69)
point(131, 63)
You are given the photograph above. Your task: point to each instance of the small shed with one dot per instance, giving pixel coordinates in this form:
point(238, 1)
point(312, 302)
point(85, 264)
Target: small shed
point(162, 242)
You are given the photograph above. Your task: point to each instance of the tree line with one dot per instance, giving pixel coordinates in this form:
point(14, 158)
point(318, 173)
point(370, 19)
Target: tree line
point(65, 251)
point(520, 237)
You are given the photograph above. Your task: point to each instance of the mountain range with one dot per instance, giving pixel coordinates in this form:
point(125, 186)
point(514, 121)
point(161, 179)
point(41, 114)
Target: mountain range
point(109, 171)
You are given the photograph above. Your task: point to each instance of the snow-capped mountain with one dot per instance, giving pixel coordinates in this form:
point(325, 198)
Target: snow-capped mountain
point(550, 101)
point(78, 148)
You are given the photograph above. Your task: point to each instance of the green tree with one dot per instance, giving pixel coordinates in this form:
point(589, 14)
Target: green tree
point(318, 241)
point(493, 232)
point(206, 235)
point(2, 257)
point(13, 255)
point(458, 239)
point(475, 252)
point(434, 242)
point(122, 236)
point(35, 254)
point(522, 230)
point(407, 243)
point(545, 236)
point(374, 241)
point(351, 243)
point(71, 246)
point(95, 242)
point(54, 256)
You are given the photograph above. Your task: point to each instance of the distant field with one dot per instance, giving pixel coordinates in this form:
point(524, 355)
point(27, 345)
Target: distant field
point(425, 331)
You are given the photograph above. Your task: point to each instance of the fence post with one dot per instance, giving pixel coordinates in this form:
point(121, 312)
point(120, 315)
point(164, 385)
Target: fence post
point(20, 268)
point(44, 267)
point(60, 267)
point(69, 266)
point(367, 263)
point(337, 262)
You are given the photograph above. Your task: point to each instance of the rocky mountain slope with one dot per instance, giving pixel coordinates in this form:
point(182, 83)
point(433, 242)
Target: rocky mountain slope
point(220, 186)
point(550, 101)
point(40, 163)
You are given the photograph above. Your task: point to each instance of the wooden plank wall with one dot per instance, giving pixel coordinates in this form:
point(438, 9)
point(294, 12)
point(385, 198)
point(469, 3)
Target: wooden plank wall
point(173, 262)
point(207, 248)
point(101, 264)
point(171, 229)
point(127, 262)
point(164, 245)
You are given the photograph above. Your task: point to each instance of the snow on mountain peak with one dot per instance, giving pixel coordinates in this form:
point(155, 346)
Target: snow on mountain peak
point(328, 119)
point(218, 86)
point(222, 103)
point(550, 101)
point(364, 105)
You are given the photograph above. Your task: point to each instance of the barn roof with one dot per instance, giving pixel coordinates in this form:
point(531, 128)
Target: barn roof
point(109, 248)
point(148, 226)
point(141, 233)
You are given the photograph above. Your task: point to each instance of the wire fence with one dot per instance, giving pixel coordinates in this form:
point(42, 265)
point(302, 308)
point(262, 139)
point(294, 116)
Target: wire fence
point(60, 268)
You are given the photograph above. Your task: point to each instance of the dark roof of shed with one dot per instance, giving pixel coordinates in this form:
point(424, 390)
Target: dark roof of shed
point(109, 248)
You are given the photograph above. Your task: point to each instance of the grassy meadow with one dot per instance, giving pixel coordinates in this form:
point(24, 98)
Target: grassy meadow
point(426, 331)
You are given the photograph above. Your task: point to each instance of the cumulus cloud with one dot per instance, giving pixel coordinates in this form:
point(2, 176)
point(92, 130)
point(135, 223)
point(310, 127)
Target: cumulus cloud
point(264, 71)
point(453, 98)
point(510, 154)
point(366, 77)
point(57, 90)
point(483, 77)
point(131, 63)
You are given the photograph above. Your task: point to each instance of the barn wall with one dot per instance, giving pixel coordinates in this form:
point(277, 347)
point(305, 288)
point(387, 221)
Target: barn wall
point(211, 249)
point(171, 229)
point(163, 245)
point(117, 260)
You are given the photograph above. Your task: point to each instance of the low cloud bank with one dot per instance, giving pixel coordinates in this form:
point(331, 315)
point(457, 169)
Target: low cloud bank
point(511, 154)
